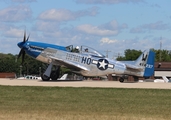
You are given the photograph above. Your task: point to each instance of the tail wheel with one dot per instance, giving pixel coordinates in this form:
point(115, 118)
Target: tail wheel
point(45, 78)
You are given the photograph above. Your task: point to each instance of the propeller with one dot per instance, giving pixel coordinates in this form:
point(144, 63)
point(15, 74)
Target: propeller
point(22, 51)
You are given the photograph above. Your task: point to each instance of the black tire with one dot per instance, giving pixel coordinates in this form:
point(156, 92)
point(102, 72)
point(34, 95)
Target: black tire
point(121, 79)
point(136, 79)
point(54, 75)
point(45, 78)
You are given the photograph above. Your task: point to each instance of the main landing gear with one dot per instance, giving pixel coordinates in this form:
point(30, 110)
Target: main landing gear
point(51, 74)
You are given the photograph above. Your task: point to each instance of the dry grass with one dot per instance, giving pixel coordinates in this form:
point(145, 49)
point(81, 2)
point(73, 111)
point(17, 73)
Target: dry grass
point(55, 103)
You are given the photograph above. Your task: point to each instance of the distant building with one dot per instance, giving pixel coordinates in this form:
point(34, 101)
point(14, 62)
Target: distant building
point(162, 69)
point(7, 75)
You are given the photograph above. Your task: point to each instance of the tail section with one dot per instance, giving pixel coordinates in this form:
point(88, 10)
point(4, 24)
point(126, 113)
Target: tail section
point(146, 62)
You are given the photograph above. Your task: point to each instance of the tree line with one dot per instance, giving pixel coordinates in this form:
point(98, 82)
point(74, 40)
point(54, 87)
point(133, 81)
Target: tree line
point(160, 55)
point(10, 63)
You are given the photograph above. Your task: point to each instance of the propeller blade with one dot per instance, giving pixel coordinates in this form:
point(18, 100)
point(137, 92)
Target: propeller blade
point(28, 38)
point(24, 39)
point(20, 53)
point(23, 55)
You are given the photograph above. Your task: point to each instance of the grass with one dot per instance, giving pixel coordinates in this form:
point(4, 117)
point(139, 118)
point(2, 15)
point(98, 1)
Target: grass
point(66, 103)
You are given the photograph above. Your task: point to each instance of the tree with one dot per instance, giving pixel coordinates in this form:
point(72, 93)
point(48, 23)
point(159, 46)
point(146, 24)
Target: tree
point(9, 63)
point(130, 55)
point(162, 55)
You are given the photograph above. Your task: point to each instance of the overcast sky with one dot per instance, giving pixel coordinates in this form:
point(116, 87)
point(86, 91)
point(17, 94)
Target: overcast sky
point(113, 25)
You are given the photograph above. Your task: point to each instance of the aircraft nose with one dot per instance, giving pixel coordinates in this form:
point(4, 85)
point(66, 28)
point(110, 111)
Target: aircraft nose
point(20, 44)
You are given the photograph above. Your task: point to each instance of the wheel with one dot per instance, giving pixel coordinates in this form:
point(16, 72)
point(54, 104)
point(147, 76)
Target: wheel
point(121, 79)
point(45, 78)
point(54, 75)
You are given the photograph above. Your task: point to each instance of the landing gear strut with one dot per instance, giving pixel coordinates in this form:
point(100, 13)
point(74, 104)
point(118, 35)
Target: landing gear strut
point(49, 74)
point(45, 78)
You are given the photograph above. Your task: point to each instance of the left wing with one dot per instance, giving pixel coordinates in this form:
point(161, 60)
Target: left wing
point(69, 64)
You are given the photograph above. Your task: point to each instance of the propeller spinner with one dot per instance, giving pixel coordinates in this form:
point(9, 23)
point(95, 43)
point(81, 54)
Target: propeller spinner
point(22, 51)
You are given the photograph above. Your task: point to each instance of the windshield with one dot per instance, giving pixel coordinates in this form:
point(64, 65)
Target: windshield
point(84, 50)
point(91, 51)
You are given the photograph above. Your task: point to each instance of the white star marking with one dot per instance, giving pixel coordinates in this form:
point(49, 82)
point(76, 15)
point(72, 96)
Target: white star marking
point(102, 64)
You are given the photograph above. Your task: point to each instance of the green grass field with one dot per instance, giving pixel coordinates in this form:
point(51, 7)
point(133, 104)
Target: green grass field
point(66, 103)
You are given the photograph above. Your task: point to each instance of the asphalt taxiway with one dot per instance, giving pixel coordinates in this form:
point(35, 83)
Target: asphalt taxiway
point(85, 83)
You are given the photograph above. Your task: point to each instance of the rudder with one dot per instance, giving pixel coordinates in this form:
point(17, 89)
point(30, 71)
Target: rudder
point(146, 62)
point(149, 67)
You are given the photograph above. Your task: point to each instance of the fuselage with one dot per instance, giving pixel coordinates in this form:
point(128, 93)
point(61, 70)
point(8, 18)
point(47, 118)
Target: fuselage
point(95, 65)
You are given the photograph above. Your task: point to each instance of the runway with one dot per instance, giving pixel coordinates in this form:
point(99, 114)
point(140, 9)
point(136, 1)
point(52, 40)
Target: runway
point(85, 83)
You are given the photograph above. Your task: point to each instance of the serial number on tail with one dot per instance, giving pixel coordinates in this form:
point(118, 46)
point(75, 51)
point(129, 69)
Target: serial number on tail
point(149, 66)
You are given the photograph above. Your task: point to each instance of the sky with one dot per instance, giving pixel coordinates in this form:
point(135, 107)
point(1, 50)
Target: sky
point(105, 25)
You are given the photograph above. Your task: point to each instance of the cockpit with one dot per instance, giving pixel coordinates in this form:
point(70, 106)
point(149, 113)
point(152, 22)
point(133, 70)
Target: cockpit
point(84, 50)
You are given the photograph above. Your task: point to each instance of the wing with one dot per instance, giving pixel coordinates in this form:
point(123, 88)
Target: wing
point(69, 64)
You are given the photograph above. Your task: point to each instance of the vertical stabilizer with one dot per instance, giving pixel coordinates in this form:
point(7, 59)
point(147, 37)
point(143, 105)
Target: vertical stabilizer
point(146, 62)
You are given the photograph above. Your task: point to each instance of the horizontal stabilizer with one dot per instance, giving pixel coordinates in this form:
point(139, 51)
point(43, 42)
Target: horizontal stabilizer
point(129, 66)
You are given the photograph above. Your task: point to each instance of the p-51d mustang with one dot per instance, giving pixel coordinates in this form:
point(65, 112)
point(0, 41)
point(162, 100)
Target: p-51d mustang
point(86, 61)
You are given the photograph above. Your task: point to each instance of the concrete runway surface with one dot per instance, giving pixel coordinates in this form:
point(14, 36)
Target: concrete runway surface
point(85, 83)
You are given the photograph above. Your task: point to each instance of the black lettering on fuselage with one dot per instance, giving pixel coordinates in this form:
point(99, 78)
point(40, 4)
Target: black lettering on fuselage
point(72, 57)
point(86, 60)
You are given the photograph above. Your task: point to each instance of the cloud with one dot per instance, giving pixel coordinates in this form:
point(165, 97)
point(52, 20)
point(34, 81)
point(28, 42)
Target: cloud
point(15, 13)
point(10, 31)
point(13, 32)
point(116, 46)
point(159, 25)
point(137, 30)
point(111, 28)
point(107, 29)
point(4, 27)
point(113, 25)
point(156, 26)
point(95, 30)
point(66, 15)
point(156, 5)
point(46, 26)
point(58, 15)
point(107, 1)
point(107, 41)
